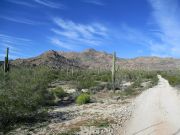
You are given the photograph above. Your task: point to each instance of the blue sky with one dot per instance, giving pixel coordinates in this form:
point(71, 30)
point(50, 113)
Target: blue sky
point(132, 28)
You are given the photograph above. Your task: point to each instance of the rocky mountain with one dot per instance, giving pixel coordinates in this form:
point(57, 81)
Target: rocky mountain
point(50, 58)
point(93, 59)
point(153, 63)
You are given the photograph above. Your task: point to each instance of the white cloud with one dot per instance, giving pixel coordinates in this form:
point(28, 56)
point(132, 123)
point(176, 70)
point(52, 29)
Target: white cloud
point(69, 34)
point(88, 34)
point(14, 44)
point(11, 38)
point(62, 44)
point(49, 3)
point(133, 35)
point(95, 2)
point(20, 20)
point(32, 3)
point(165, 15)
point(21, 2)
point(164, 39)
point(83, 30)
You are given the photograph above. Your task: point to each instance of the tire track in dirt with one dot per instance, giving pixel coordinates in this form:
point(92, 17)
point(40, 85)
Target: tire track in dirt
point(157, 112)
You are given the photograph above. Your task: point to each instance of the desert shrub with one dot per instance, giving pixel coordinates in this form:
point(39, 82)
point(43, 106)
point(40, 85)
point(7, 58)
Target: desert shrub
point(137, 83)
point(83, 79)
point(59, 92)
point(23, 93)
point(104, 76)
point(97, 88)
point(86, 83)
point(154, 80)
point(83, 99)
point(101, 123)
point(135, 76)
point(172, 76)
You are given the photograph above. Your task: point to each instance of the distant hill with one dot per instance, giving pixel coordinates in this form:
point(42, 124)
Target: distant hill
point(93, 59)
point(50, 59)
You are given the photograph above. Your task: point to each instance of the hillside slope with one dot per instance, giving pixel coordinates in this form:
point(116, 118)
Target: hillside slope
point(50, 59)
point(93, 59)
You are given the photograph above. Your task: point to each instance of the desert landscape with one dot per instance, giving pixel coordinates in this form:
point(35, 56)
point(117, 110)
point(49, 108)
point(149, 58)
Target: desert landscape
point(66, 93)
point(89, 67)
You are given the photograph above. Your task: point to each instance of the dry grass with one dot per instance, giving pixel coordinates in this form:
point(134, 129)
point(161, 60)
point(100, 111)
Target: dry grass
point(99, 123)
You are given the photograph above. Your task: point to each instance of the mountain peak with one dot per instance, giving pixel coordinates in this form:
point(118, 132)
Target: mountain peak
point(93, 59)
point(50, 53)
point(90, 50)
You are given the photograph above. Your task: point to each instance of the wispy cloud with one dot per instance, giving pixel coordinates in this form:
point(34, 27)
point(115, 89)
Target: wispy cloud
point(165, 16)
point(33, 3)
point(133, 35)
point(62, 44)
point(95, 2)
point(49, 3)
point(15, 44)
point(20, 20)
point(11, 38)
point(21, 2)
point(164, 39)
point(146, 39)
point(77, 33)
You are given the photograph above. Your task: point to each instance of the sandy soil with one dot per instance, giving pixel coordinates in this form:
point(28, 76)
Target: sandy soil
point(157, 112)
point(80, 118)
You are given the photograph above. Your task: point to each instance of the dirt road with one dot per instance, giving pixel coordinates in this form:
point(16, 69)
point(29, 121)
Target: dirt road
point(157, 112)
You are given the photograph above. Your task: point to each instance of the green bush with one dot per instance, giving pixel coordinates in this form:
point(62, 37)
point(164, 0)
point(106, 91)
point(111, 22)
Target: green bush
point(86, 83)
point(59, 92)
point(23, 93)
point(172, 76)
point(101, 123)
point(83, 99)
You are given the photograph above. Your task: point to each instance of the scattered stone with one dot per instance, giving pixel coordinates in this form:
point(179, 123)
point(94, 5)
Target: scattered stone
point(118, 91)
point(71, 91)
point(127, 84)
point(117, 98)
point(74, 118)
point(85, 90)
point(145, 84)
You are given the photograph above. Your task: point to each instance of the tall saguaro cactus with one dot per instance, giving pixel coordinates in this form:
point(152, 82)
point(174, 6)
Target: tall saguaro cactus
point(72, 71)
point(113, 70)
point(6, 61)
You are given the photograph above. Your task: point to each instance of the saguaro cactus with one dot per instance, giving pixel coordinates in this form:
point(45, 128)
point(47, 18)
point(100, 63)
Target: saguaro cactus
point(72, 71)
point(6, 61)
point(113, 70)
point(98, 71)
point(67, 71)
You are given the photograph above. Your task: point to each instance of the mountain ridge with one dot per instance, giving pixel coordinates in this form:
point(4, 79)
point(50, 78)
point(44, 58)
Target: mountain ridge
point(93, 59)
